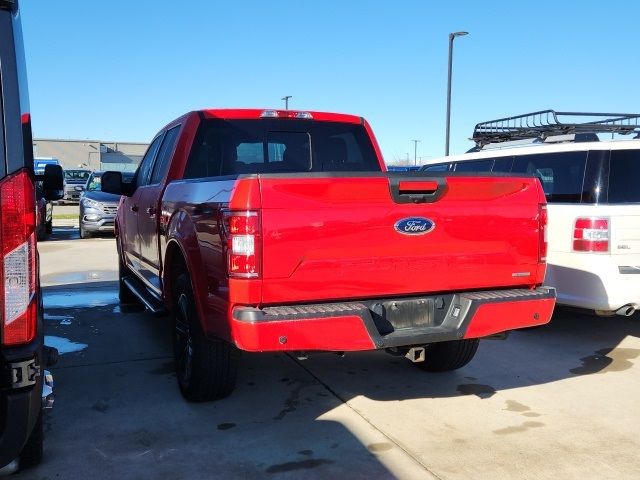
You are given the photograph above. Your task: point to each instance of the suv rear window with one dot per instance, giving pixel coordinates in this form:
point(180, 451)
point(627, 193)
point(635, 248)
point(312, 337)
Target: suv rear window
point(279, 146)
point(561, 174)
point(624, 176)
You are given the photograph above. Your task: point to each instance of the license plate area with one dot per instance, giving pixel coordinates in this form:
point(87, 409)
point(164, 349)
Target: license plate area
point(409, 313)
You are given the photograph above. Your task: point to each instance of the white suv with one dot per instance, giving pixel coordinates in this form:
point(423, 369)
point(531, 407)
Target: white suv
point(593, 191)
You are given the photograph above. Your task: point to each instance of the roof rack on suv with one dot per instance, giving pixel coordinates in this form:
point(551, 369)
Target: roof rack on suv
point(539, 125)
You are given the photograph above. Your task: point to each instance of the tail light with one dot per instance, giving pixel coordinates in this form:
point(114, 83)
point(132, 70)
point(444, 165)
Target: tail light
point(591, 235)
point(543, 219)
point(242, 231)
point(18, 259)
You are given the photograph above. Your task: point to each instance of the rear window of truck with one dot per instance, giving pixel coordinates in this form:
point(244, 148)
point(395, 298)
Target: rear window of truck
point(232, 147)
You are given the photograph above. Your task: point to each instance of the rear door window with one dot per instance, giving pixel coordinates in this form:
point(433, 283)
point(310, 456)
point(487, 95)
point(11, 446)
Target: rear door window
point(624, 176)
point(144, 170)
point(560, 173)
point(164, 155)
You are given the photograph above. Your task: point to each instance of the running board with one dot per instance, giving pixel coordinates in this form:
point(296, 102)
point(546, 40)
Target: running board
point(149, 300)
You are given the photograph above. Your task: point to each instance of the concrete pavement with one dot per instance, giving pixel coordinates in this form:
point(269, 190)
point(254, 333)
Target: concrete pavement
point(553, 402)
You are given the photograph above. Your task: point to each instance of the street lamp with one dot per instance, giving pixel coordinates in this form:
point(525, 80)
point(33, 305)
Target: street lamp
point(452, 36)
point(415, 151)
point(286, 101)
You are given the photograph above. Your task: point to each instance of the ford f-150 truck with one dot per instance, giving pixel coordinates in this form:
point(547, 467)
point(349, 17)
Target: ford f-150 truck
point(267, 230)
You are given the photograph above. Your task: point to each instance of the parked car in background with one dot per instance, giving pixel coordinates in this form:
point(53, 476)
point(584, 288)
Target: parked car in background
point(97, 208)
point(25, 386)
point(39, 163)
point(74, 180)
point(44, 214)
point(591, 186)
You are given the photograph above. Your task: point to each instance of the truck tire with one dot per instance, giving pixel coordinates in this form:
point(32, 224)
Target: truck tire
point(126, 296)
point(448, 356)
point(31, 454)
point(206, 368)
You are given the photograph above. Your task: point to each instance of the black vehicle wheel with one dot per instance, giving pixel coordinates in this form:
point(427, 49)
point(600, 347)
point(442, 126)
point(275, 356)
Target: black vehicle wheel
point(448, 356)
point(31, 454)
point(206, 368)
point(49, 227)
point(83, 233)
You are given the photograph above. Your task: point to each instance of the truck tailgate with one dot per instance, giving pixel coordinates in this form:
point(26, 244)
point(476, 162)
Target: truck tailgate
point(329, 237)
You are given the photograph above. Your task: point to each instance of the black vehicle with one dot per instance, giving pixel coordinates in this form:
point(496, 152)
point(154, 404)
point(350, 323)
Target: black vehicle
point(74, 182)
point(97, 208)
point(25, 387)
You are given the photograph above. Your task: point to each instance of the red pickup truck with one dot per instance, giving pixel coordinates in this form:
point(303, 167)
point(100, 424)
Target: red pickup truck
point(269, 230)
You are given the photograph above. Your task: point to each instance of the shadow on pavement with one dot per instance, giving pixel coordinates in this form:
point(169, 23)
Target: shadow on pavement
point(119, 413)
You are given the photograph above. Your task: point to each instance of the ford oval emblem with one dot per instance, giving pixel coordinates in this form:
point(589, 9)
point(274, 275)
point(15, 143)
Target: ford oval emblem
point(414, 226)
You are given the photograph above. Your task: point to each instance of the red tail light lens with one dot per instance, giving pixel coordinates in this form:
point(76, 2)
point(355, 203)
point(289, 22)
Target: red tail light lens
point(591, 235)
point(243, 244)
point(18, 260)
point(543, 219)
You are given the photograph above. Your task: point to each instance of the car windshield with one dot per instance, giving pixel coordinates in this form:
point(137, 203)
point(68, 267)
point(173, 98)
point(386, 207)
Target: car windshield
point(94, 184)
point(76, 174)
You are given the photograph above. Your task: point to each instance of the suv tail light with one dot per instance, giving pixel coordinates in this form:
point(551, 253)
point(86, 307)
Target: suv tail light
point(591, 235)
point(543, 219)
point(242, 230)
point(18, 259)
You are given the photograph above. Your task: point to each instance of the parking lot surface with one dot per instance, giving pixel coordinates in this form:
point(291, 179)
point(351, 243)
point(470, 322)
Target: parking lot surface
point(560, 401)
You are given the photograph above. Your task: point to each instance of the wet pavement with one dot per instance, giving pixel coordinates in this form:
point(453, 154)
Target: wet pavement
point(559, 401)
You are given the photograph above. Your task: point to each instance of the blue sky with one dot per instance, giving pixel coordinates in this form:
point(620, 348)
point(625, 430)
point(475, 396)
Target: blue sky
point(121, 69)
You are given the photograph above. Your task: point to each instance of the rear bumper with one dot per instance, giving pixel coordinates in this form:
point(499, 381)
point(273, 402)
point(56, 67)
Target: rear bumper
point(373, 324)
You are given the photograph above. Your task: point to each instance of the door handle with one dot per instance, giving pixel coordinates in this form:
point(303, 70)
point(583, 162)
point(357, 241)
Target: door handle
point(151, 211)
point(134, 208)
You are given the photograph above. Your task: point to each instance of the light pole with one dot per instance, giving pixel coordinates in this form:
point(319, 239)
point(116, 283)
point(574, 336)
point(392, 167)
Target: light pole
point(415, 151)
point(452, 36)
point(286, 101)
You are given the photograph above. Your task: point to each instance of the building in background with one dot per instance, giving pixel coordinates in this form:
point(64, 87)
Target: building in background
point(91, 154)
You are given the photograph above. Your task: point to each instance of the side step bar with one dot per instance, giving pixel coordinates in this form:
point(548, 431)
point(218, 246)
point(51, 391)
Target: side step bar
point(149, 300)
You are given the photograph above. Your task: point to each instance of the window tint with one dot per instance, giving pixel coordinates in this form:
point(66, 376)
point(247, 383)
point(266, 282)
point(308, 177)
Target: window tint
point(164, 155)
point(142, 175)
point(561, 173)
point(271, 146)
point(624, 176)
point(290, 149)
point(474, 166)
point(502, 164)
point(439, 167)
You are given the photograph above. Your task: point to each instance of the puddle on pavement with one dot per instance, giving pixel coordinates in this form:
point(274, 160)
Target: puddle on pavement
point(61, 319)
point(514, 406)
point(80, 298)
point(520, 428)
point(66, 278)
point(482, 391)
point(63, 345)
point(607, 360)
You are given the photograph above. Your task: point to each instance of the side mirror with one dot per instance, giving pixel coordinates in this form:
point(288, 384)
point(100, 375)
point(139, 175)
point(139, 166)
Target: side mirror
point(112, 183)
point(52, 182)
